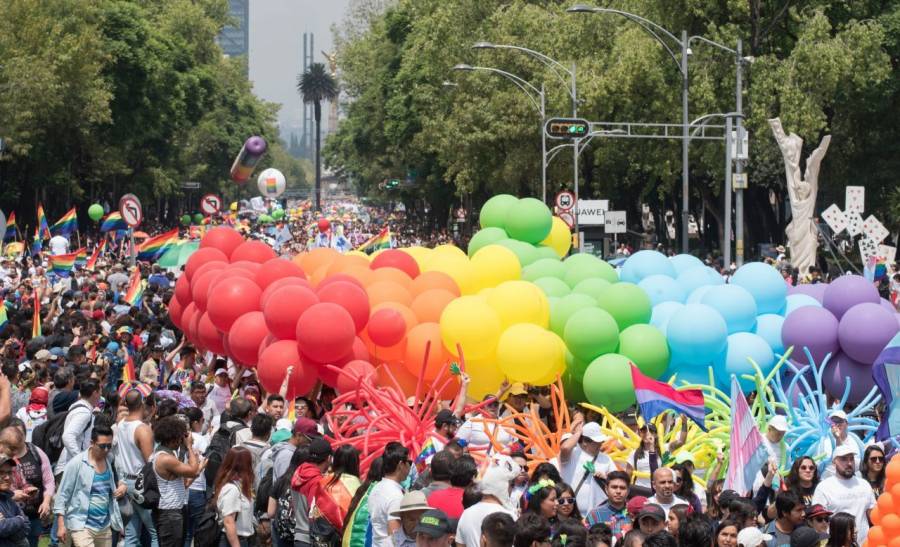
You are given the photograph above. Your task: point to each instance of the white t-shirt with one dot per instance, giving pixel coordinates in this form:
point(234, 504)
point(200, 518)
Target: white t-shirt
point(59, 245)
point(475, 432)
point(383, 500)
point(590, 495)
point(854, 496)
point(201, 443)
point(643, 466)
point(468, 531)
point(666, 506)
point(232, 500)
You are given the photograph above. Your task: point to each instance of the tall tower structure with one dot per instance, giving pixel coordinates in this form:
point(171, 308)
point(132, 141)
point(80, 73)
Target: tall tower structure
point(234, 39)
point(307, 123)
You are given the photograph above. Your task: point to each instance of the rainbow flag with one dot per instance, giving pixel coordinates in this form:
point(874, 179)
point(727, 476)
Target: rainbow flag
point(67, 223)
point(36, 245)
point(95, 255)
point(3, 318)
point(113, 221)
point(36, 317)
point(875, 268)
point(44, 228)
point(135, 289)
point(155, 246)
point(10, 227)
point(427, 451)
point(128, 375)
point(381, 240)
point(271, 185)
point(81, 257)
point(62, 265)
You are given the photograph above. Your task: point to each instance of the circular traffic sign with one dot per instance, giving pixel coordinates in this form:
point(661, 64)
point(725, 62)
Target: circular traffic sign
point(131, 210)
point(568, 218)
point(210, 204)
point(565, 200)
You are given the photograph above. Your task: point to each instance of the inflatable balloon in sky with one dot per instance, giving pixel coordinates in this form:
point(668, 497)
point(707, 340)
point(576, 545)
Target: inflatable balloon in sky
point(253, 150)
point(271, 183)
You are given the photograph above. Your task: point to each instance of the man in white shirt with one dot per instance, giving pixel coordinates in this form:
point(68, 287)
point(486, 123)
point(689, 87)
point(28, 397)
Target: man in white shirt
point(59, 245)
point(584, 464)
point(664, 486)
point(386, 496)
point(773, 441)
point(847, 492)
point(842, 437)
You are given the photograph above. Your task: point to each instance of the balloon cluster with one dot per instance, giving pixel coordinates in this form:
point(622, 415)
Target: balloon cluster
point(885, 515)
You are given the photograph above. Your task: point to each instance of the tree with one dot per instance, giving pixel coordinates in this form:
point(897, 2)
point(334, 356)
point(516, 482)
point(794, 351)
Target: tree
point(317, 85)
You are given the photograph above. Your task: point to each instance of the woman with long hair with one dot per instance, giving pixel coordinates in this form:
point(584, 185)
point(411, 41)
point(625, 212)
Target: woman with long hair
point(343, 481)
point(872, 468)
point(803, 478)
point(233, 493)
point(841, 530)
point(566, 507)
point(684, 486)
point(726, 533)
point(678, 515)
point(541, 499)
point(646, 458)
point(712, 498)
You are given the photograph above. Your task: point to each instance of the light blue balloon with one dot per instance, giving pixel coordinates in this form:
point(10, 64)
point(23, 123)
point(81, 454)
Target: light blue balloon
point(736, 305)
point(662, 288)
point(764, 283)
point(795, 301)
point(741, 346)
point(686, 372)
point(685, 262)
point(696, 297)
point(697, 333)
point(663, 312)
point(699, 277)
point(768, 326)
point(643, 264)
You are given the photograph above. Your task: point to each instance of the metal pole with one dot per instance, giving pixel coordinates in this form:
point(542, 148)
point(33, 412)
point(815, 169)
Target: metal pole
point(543, 148)
point(574, 94)
point(575, 144)
point(739, 167)
point(726, 244)
point(685, 182)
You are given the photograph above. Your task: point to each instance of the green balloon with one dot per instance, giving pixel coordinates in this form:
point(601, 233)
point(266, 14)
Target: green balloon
point(265, 219)
point(95, 211)
point(544, 267)
point(493, 212)
point(552, 286)
point(575, 366)
point(627, 303)
point(529, 220)
point(646, 346)
point(574, 389)
point(583, 266)
point(198, 218)
point(186, 220)
point(563, 308)
point(546, 252)
point(607, 382)
point(592, 286)
point(524, 251)
point(485, 237)
point(278, 214)
point(591, 332)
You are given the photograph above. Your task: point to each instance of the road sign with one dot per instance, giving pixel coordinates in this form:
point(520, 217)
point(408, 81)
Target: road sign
point(615, 222)
point(130, 209)
point(189, 185)
point(592, 212)
point(210, 204)
point(565, 200)
point(739, 181)
point(568, 218)
point(567, 128)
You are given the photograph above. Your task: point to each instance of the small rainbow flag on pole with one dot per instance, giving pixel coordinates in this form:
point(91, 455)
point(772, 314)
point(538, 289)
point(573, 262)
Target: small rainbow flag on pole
point(381, 240)
point(62, 265)
point(428, 450)
point(128, 371)
point(36, 317)
point(92, 261)
point(10, 227)
point(113, 221)
point(81, 257)
point(36, 245)
point(154, 247)
point(43, 227)
point(67, 224)
point(135, 289)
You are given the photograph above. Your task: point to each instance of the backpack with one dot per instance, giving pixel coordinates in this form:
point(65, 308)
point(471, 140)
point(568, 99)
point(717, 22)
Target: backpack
point(283, 523)
point(323, 534)
point(48, 435)
point(208, 530)
point(146, 487)
point(215, 454)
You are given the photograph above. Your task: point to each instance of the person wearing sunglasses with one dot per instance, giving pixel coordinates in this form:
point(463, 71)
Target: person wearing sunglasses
point(872, 468)
point(842, 437)
point(566, 507)
point(817, 518)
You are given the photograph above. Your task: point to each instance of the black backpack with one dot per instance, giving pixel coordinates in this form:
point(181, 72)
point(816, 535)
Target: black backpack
point(146, 487)
point(222, 440)
point(283, 523)
point(323, 534)
point(48, 435)
point(263, 492)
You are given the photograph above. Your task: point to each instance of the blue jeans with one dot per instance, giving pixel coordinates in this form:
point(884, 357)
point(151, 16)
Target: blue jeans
point(196, 505)
point(37, 528)
point(142, 518)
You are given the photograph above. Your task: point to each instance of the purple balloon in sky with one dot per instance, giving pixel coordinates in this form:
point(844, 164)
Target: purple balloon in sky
point(839, 369)
point(847, 291)
point(816, 290)
point(864, 331)
point(813, 328)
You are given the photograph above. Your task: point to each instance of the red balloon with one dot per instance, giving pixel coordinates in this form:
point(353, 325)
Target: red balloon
point(187, 316)
point(201, 257)
point(232, 298)
point(350, 297)
point(193, 328)
point(353, 374)
point(273, 364)
point(211, 266)
point(283, 282)
point(209, 337)
point(175, 310)
point(275, 269)
point(340, 277)
point(245, 336)
point(323, 224)
point(325, 332)
point(200, 287)
point(328, 376)
point(267, 341)
point(284, 308)
point(387, 327)
point(222, 238)
point(183, 290)
point(253, 251)
point(251, 267)
point(395, 258)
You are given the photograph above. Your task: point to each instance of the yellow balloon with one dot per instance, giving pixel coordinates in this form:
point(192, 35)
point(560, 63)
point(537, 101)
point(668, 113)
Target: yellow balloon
point(520, 302)
point(560, 237)
point(527, 353)
point(420, 254)
point(233, 206)
point(471, 323)
point(449, 248)
point(485, 378)
point(456, 266)
point(357, 253)
point(495, 264)
point(560, 367)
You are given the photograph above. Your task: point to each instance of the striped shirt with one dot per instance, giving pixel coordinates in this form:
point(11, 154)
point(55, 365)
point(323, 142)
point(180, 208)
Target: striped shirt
point(101, 494)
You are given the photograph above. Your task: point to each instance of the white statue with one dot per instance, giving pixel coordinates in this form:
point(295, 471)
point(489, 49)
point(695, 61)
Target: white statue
point(801, 232)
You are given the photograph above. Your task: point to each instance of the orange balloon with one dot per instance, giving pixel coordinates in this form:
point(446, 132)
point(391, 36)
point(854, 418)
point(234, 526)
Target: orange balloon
point(895, 542)
point(316, 258)
point(429, 305)
point(386, 291)
point(319, 275)
point(893, 473)
point(875, 515)
point(450, 392)
point(434, 280)
point(891, 525)
point(393, 275)
point(363, 274)
point(418, 340)
point(344, 262)
point(877, 536)
point(885, 504)
point(390, 354)
point(894, 490)
point(407, 381)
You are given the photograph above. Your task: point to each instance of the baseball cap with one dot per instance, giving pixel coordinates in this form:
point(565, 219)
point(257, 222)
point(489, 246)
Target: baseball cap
point(779, 423)
point(222, 372)
point(840, 414)
point(518, 388)
point(280, 436)
point(651, 510)
point(817, 510)
point(285, 424)
point(124, 330)
point(635, 505)
point(843, 450)
point(804, 537)
point(434, 523)
point(591, 430)
point(752, 537)
point(412, 501)
point(319, 450)
point(307, 427)
point(445, 416)
point(44, 355)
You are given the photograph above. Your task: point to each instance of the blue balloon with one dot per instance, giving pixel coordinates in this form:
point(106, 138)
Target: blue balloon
point(696, 334)
point(696, 297)
point(699, 277)
point(662, 288)
point(764, 283)
point(686, 372)
point(685, 262)
point(743, 346)
point(795, 301)
point(768, 326)
point(663, 312)
point(643, 264)
point(736, 305)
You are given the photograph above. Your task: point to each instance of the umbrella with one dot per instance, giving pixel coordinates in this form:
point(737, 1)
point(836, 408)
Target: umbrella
point(177, 256)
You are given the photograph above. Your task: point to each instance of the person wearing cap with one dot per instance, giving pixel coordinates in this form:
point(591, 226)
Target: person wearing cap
point(651, 519)
point(35, 412)
point(817, 518)
point(434, 529)
point(113, 357)
point(386, 496)
point(309, 491)
point(664, 486)
point(614, 511)
point(14, 524)
point(220, 392)
point(790, 513)
point(412, 506)
point(584, 465)
point(445, 424)
point(302, 432)
point(753, 537)
point(846, 491)
point(840, 431)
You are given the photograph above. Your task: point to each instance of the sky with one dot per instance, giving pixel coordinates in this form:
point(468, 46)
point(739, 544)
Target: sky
point(276, 43)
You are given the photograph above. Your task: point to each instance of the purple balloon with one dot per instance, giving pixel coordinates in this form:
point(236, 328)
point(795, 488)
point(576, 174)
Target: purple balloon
point(813, 328)
point(816, 290)
point(886, 304)
point(864, 331)
point(847, 291)
point(897, 315)
point(839, 369)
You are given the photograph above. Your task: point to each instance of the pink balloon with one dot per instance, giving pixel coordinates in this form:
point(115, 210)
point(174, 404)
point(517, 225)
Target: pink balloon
point(253, 251)
point(251, 267)
point(325, 332)
point(222, 238)
point(209, 337)
point(232, 298)
point(284, 308)
point(273, 364)
point(387, 327)
point(245, 336)
point(201, 257)
point(278, 268)
point(395, 258)
point(283, 282)
point(350, 297)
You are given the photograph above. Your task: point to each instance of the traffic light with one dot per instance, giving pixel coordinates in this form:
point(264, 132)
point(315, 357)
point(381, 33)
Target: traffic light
point(393, 183)
point(567, 128)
